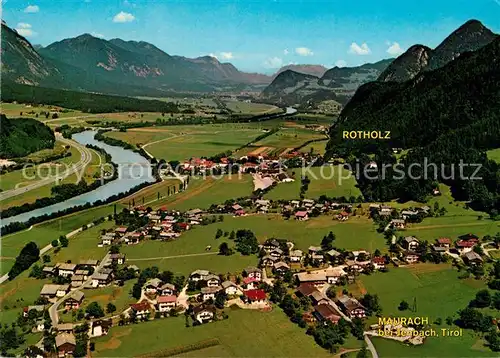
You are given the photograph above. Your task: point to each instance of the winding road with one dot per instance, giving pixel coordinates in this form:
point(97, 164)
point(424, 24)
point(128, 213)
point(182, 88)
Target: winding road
point(85, 159)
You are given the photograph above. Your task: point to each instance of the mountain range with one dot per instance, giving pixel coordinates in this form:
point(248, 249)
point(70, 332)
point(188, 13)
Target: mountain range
point(116, 66)
point(341, 83)
point(470, 36)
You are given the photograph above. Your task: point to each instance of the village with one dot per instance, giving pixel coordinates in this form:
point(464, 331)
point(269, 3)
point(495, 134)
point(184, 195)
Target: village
point(312, 274)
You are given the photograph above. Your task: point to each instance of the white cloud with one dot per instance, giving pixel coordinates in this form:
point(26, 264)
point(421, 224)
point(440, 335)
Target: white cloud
point(25, 30)
point(273, 62)
point(303, 51)
point(123, 17)
point(359, 50)
point(31, 9)
point(394, 49)
point(286, 52)
point(96, 34)
point(341, 63)
point(226, 55)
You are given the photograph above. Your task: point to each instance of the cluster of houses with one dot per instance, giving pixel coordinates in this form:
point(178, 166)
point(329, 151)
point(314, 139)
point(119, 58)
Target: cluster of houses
point(327, 310)
point(399, 219)
point(162, 225)
point(162, 297)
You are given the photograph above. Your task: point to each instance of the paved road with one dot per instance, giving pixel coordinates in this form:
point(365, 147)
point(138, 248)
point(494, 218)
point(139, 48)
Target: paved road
point(46, 248)
point(85, 159)
point(172, 257)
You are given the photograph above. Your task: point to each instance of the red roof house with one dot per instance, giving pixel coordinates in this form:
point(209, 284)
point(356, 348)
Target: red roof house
point(258, 295)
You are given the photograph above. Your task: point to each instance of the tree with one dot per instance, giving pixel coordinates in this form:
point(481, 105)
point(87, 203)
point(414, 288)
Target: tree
point(225, 250)
point(363, 353)
point(495, 301)
point(358, 328)
point(55, 243)
point(371, 303)
point(246, 242)
point(473, 319)
point(28, 256)
point(220, 299)
point(94, 310)
point(110, 308)
point(64, 241)
point(114, 249)
point(46, 259)
point(403, 306)
point(483, 299)
point(232, 235)
point(80, 350)
point(218, 234)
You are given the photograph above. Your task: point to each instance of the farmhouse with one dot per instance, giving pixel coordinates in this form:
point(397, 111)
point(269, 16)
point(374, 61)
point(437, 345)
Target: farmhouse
point(250, 283)
point(302, 215)
point(204, 313)
point(141, 309)
point(254, 272)
point(100, 327)
point(117, 258)
point(52, 291)
point(166, 303)
point(472, 258)
point(65, 270)
point(230, 288)
point(107, 239)
point(271, 244)
point(398, 223)
point(317, 278)
point(325, 313)
point(296, 256)
point(268, 261)
point(77, 280)
point(318, 298)
point(66, 344)
point(343, 216)
point(91, 263)
point(464, 246)
point(166, 290)
point(65, 328)
point(100, 279)
point(410, 243)
point(74, 300)
point(212, 280)
point(152, 285)
point(351, 307)
point(443, 242)
point(378, 262)
point(411, 257)
point(208, 293)
point(255, 296)
point(49, 270)
point(198, 275)
point(280, 268)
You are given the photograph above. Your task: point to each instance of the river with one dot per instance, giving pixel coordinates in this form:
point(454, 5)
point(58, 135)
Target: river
point(133, 168)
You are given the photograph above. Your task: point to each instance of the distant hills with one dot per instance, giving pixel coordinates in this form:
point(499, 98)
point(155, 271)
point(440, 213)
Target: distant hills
point(339, 83)
point(470, 36)
point(88, 63)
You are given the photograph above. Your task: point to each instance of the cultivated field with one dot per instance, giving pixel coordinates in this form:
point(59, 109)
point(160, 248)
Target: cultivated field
point(251, 108)
point(184, 142)
point(245, 333)
point(188, 252)
point(438, 293)
point(28, 111)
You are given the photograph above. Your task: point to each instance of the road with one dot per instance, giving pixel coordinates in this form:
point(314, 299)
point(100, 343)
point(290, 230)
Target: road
point(54, 315)
point(85, 159)
point(172, 257)
point(47, 248)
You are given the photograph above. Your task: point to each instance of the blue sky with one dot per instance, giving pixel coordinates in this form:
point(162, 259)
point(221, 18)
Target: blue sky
point(256, 35)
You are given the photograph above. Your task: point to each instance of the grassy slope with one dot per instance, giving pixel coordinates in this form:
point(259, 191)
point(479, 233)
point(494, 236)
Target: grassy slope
point(258, 334)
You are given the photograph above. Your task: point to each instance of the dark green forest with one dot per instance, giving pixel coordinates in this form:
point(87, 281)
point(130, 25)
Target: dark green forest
point(85, 102)
point(444, 117)
point(22, 136)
